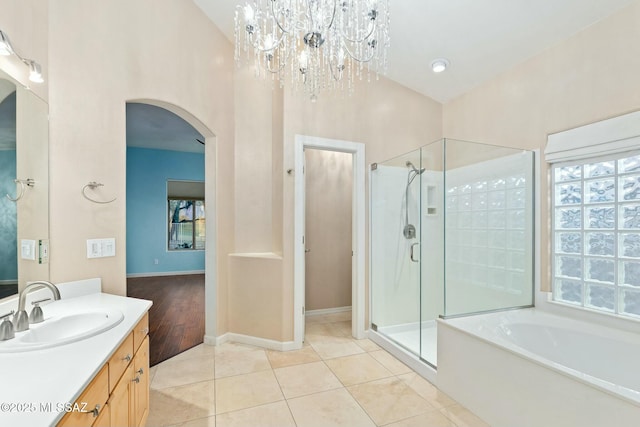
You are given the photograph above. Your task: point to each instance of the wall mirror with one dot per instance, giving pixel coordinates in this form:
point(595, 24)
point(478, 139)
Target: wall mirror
point(24, 186)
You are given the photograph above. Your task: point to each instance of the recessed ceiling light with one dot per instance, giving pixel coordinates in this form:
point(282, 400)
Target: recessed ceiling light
point(439, 65)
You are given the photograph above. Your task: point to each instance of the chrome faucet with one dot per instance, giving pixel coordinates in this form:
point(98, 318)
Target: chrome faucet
point(20, 319)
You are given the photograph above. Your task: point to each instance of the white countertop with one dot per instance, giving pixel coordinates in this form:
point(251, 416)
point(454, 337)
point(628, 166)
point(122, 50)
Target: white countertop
point(34, 379)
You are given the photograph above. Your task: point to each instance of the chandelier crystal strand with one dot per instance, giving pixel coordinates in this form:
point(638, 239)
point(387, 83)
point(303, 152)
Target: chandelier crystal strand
point(316, 45)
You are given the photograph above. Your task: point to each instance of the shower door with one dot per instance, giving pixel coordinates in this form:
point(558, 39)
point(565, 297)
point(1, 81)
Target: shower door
point(396, 232)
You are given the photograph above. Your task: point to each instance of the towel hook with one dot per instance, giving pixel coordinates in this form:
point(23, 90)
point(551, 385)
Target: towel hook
point(93, 185)
point(28, 182)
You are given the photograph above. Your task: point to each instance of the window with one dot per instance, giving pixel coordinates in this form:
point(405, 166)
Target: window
point(596, 233)
point(186, 224)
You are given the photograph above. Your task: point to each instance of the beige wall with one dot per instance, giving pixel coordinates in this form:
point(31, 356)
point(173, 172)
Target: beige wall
point(328, 181)
point(103, 54)
point(388, 118)
point(96, 55)
point(26, 23)
point(592, 76)
point(255, 308)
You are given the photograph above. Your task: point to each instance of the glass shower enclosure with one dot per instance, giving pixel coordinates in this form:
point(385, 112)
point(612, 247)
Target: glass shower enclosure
point(451, 234)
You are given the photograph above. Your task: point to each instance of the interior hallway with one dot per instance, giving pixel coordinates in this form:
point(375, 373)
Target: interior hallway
point(333, 381)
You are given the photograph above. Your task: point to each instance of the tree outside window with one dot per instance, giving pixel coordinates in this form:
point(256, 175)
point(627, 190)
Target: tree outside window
point(186, 225)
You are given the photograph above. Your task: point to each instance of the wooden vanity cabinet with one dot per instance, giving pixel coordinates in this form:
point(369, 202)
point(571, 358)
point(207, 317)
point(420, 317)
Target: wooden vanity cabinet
point(141, 385)
point(118, 396)
point(91, 404)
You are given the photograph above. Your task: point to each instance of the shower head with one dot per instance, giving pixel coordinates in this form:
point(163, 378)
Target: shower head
point(413, 168)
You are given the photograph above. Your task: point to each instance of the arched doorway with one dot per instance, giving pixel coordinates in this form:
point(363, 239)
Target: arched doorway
point(170, 249)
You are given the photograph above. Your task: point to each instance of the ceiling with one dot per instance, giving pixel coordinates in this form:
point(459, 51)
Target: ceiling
point(480, 38)
point(153, 127)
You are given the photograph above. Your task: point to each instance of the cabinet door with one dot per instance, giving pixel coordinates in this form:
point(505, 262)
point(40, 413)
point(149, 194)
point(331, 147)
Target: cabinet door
point(90, 404)
point(104, 419)
point(141, 384)
point(119, 400)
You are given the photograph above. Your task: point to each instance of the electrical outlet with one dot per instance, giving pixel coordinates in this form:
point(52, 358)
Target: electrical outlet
point(44, 251)
point(94, 249)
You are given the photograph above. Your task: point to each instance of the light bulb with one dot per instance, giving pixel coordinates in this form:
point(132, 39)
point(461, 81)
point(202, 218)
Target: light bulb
point(5, 45)
point(268, 42)
point(35, 73)
point(248, 13)
point(303, 60)
point(340, 58)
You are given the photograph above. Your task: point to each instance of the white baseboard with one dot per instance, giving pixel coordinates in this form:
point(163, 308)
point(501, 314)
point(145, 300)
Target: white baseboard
point(323, 311)
point(249, 340)
point(165, 273)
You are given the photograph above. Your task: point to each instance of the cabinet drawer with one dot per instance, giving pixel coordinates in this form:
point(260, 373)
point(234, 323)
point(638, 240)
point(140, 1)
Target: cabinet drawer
point(140, 331)
point(93, 398)
point(119, 361)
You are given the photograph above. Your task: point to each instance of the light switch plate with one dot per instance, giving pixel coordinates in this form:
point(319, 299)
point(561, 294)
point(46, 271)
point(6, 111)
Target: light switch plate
point(100, 248)
point(109, 247)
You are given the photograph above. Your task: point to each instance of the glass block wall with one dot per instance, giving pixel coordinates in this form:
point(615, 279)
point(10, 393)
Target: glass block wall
point(488, 228)
point(597, 234)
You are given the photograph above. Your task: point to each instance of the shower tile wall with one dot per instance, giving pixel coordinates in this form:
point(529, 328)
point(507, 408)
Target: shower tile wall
point(487, 230)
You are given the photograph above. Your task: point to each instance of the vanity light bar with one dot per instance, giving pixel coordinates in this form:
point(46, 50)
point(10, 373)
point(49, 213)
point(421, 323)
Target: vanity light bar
point(6, 49)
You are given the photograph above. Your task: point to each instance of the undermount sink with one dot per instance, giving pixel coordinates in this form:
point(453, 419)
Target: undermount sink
point(64, 329)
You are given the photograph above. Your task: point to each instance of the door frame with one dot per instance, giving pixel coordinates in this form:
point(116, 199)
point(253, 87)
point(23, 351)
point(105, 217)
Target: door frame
point(357, 231)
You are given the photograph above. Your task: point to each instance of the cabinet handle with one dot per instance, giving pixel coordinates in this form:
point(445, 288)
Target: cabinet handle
point(140, 371)
point(136, 380)
point(95, 411)
point(145, 331)
point(127, 358)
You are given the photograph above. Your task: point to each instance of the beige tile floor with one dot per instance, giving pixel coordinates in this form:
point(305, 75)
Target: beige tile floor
point(333, 381)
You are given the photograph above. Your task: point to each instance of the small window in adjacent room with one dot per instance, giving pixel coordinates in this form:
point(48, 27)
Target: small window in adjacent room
point(596, 233)
point(186, 215)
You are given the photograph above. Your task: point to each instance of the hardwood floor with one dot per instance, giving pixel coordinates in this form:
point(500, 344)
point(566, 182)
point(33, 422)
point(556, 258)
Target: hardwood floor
point(176, 318)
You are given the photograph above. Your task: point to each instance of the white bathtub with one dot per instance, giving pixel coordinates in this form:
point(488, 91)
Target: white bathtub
point(530, 368)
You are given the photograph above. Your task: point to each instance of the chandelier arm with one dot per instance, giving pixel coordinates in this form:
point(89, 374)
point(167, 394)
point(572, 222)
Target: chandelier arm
point(310, 14)
point(274, 16)
point(273, 71)
point(264, 49)
point(333, 15)
point(281, 67)
point(372, 29)
point(355, 58)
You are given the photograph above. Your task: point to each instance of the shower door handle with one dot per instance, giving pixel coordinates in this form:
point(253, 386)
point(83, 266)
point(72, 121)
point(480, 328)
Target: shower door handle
point(411, 255)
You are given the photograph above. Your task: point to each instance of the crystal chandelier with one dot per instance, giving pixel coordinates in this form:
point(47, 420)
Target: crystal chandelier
point(320, 44)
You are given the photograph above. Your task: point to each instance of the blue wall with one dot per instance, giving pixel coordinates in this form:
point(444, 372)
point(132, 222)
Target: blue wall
point(8, 219)
point(147, 174)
